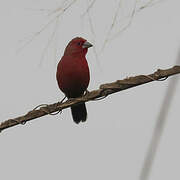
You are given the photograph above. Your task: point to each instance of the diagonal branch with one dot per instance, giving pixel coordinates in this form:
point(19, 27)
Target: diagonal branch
point(159, 127)
point(103, 91)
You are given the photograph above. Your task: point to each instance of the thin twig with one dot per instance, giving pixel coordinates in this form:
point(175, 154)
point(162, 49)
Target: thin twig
point(88, 8)
point(123, 28)
point(50, 40)
point(112, 24)
point(58, 12)
point(92, 32)
point(129, 20)
point(103, 91)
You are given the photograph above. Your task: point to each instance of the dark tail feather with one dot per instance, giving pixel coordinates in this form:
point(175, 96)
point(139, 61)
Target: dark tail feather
point(79, 113)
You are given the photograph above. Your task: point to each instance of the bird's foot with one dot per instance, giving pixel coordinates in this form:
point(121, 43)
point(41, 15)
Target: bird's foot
point(62, 100)
point(71, 99)
point(86, 92)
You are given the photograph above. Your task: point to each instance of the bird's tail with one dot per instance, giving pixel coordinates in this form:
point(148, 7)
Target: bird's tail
point(79, 113)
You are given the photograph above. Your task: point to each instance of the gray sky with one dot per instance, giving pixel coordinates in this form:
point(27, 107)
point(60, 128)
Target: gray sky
point(113, 142)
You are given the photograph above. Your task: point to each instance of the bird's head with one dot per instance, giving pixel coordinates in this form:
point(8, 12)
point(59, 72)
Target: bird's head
point(77, 45)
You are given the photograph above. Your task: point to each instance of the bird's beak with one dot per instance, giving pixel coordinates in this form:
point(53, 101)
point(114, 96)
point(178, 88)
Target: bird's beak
point(87, 45)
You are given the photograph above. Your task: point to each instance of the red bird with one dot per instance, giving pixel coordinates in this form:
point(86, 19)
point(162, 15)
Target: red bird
point(73, 75)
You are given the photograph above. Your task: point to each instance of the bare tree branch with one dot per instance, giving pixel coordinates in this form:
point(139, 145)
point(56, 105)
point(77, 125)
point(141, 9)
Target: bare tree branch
point(103, 91)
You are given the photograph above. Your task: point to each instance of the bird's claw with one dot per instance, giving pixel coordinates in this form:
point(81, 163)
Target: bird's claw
point(62, 100)
point(71, 99)
point(86, 92)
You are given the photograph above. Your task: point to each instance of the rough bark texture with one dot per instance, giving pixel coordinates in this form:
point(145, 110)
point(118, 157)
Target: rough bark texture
point(103, 91)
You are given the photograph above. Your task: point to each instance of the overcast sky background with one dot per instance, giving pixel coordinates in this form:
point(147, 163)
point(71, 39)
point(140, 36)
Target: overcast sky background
point(113, 142)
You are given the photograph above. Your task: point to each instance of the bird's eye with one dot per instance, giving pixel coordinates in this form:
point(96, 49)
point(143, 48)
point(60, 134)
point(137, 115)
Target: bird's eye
point(79, 43)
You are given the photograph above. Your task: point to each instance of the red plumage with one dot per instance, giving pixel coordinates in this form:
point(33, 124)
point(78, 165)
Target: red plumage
point(73, 75)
